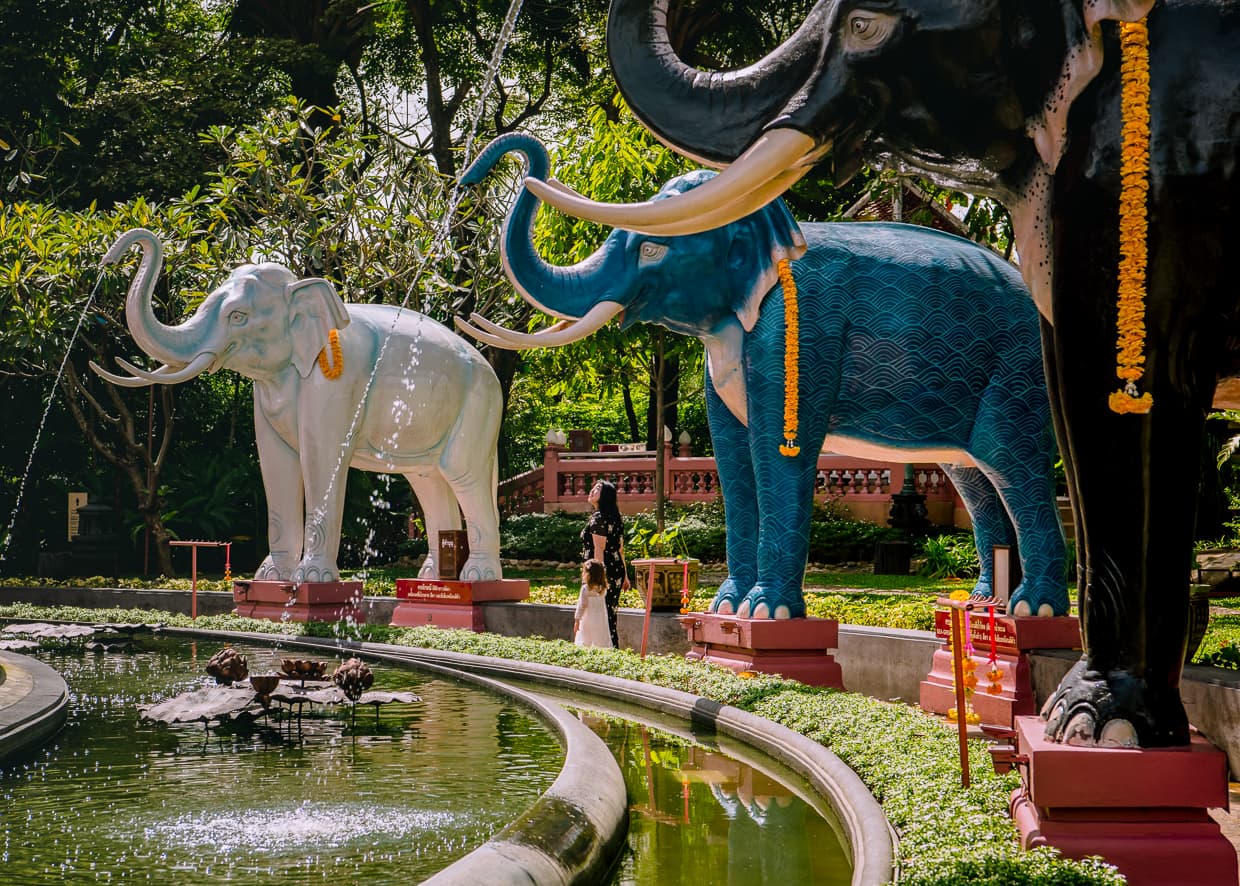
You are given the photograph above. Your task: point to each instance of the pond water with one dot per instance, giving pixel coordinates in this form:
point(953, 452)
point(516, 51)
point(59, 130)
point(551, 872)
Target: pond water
point(111, 800)
point(727, 816)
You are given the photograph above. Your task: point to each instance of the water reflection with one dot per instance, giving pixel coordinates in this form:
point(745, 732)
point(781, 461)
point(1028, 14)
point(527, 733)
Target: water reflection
point(700, 815)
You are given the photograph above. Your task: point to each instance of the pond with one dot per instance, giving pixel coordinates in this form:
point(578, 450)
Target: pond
point(707, 810)
point(114, 801)
point(386, 798)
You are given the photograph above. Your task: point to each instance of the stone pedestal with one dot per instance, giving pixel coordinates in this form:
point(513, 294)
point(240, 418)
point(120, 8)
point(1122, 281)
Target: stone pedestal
point(795, 648)
point(1143, 810)
point(452, 604)
point(1014, 638)
point(308, 601)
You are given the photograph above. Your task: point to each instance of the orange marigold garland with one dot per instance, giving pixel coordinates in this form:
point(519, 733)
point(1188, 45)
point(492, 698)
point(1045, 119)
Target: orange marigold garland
point(1134, 174)
point(792, 349)
point(336, 367)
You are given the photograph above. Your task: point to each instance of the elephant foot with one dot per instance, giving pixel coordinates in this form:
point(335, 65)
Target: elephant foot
point(1039, 599)
point(762, 602)
point(429, 569)
point(269, 571)
point(1117, 710)
point(727, 598)
point(310, 570)
point(481, 567)
point(982, 591)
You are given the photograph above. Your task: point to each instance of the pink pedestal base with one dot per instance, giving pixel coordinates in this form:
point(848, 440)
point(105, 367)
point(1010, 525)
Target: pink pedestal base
point(1013, 638)
point(795, 648)
point(451, 604)
point(308, 601)
point(1144, 811)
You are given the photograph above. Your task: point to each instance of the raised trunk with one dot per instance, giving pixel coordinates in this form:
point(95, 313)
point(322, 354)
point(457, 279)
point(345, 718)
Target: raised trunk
point(567, 292)
point(709, 116)
point(175, 345)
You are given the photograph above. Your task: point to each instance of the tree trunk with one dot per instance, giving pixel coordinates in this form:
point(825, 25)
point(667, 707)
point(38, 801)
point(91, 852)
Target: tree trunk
point(126, 449)
point(630, 411)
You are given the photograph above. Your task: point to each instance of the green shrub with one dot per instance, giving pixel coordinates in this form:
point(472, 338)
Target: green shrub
point(835, 537)
point(542, 537)
point(951, 555)
point(696, 531)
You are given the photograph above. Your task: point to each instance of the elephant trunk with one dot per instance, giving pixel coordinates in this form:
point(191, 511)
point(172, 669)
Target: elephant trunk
point(565, 292)
point(173, 345)
point(711, 117)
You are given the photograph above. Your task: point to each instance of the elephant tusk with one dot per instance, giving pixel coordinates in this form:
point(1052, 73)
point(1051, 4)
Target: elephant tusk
point(553, 336)
point(707, 221)
point(774, 162)
point(119, 380)
point(164, 375)
point(485, 337)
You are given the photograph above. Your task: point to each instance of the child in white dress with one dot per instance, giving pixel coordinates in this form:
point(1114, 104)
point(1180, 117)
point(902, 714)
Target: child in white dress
point(590, 619)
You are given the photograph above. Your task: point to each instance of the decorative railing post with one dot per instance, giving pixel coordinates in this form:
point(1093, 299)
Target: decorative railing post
point(551, 473)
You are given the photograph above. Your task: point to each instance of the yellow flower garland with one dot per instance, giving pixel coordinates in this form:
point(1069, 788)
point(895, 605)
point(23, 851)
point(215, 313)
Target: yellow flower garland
point(1134, 174)
point(332, 371)
point(792, 337)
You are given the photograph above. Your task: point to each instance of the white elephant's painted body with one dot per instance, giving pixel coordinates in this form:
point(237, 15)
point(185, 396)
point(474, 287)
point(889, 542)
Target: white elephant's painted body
point(435, 421)
point(411, 398)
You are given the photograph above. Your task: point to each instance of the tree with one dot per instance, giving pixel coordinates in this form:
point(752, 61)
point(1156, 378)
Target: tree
point(106, 99)
point(56, 309)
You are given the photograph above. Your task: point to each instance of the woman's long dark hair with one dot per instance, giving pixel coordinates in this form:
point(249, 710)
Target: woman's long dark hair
point(607, 500)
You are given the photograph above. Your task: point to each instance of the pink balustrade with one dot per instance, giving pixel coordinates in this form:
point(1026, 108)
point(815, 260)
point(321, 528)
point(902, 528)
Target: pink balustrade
point(862, 486)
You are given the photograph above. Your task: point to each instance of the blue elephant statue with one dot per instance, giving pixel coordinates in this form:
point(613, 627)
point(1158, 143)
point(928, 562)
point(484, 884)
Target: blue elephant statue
point(336, 386)
point(1025, 101)
point(913, 345)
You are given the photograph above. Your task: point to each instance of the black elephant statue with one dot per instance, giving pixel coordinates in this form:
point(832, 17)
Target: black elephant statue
point(1035, 103)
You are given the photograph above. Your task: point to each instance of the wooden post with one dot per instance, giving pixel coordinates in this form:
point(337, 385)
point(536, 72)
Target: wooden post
point(649, 606)
point(193, 586)
point(962, 724)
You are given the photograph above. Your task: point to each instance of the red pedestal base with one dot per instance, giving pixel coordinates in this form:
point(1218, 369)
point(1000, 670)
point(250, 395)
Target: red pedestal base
point(1144, 811)
point(308, 601)
point(1013, 638)
point(451, 604)
point(795, 648)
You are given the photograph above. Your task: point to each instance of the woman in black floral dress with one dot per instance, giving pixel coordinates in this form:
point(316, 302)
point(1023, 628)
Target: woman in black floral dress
point(603, 539)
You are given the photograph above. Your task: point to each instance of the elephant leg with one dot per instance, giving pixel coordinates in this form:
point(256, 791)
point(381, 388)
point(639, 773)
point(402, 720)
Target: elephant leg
point(1135, 511)
point(740, 502)
point(1013, 446)
point(325, 470)
point(991, 525)
point(440, 510)
point(1053, 384)
point(469, 466)
point(785, 486)
point(282, 484)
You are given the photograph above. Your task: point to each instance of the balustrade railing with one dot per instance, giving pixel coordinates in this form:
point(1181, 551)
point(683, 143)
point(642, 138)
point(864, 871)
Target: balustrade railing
point(565, 480)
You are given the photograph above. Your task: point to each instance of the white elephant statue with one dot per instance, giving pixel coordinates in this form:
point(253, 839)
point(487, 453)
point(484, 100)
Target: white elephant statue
point(374, 387)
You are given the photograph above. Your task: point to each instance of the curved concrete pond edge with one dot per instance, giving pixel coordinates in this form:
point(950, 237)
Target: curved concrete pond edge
point(573, 833)
point(871, 841)
point(34, 703)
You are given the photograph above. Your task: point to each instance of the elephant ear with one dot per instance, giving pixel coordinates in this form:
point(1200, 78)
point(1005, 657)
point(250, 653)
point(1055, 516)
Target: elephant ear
point(1049, 129)
point(1095, 11)
point(314, 309)
point(759, 243)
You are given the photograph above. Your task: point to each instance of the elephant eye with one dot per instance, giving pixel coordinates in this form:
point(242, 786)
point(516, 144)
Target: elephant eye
point(651, 252)
point(237, 318)
point(864, 30)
